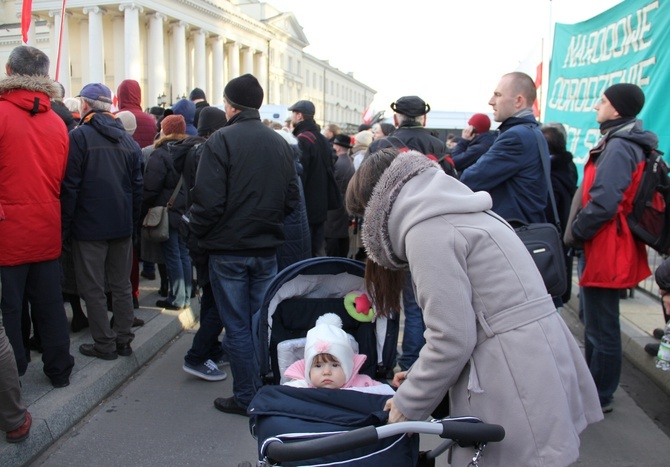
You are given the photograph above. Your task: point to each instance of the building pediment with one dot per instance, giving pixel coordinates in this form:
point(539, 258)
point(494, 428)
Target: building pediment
point(287, 23)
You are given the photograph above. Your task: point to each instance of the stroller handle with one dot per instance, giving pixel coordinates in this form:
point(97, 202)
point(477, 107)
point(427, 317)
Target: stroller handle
point(276, 451)
point(465, 431)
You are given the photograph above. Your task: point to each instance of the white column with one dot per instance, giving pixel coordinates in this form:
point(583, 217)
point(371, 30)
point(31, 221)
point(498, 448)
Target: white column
point(247, 60)
point(119, 50)
point(83, 39)
point(64, 65)
point(179, 63)
point(261, 72)
point(96, 49)
point(233, 59)
point(131, 15)
point(199, 59)
point(32, 33)
point(156, 59)
point(218, 75)
point(276, 95)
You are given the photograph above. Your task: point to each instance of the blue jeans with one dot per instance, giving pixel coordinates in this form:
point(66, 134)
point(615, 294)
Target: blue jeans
point(206, 345)
point(412, 339)
point(239, 284)
point(602, 339)
point(178, 265)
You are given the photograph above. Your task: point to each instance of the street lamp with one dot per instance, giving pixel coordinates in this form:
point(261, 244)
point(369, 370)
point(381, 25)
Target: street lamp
point(162, 99)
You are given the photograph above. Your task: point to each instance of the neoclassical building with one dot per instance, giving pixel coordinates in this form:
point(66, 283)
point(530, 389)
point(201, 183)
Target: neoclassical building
point(172, 46)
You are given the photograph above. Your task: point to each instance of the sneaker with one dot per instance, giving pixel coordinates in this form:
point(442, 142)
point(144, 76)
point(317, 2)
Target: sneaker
point(652, 348)
point(168, 306)
point(228, 405)
point(90, 351)
point(206, 370)
point(21, 433)
point(607, 408)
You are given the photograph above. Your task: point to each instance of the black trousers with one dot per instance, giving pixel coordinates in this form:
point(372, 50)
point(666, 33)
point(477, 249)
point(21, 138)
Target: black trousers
point(41, 285)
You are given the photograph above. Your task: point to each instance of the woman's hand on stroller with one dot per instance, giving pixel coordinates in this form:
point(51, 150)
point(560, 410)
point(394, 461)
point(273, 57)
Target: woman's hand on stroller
point(398, 378)
point(395, 415)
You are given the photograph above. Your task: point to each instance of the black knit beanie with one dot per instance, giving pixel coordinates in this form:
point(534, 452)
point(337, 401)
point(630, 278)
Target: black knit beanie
point(197, 93)
point(210, 120)
point(626, 98)
point(244, 92)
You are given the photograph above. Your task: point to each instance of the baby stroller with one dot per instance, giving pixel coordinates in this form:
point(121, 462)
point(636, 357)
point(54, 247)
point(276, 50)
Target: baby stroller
point(296, 426)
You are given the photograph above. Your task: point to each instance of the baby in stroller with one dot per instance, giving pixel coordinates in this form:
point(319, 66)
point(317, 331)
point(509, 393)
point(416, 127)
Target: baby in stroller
point(330, 361)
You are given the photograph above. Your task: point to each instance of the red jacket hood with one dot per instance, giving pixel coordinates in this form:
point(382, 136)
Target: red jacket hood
point(129, 95)
point(30, 93)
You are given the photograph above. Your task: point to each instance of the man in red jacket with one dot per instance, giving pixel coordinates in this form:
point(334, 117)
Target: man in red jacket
point(33, 155)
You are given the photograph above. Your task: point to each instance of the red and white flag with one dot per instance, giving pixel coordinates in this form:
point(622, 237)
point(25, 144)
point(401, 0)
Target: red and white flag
point(538, 87)
point(367, 115)
point(26, 19)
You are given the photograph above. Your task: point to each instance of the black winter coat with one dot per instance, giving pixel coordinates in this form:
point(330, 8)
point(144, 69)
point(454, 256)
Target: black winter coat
point(101, 194)
point(160, 180)
point(316, 156)
point(244, 187)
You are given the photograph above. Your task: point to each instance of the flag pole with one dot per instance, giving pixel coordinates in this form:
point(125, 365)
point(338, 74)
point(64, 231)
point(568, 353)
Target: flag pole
point(60, 40)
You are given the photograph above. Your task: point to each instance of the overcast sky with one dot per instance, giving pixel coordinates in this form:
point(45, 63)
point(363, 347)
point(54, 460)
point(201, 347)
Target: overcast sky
point(449, 52)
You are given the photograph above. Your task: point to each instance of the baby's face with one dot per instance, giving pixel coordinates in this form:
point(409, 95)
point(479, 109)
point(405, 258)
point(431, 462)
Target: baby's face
point(327, 375)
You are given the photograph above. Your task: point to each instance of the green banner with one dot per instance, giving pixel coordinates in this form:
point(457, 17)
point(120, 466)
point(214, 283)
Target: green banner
point(629, 43)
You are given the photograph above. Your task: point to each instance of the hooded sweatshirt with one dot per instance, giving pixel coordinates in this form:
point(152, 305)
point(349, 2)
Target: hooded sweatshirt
point(186, 109)
point(130, 99)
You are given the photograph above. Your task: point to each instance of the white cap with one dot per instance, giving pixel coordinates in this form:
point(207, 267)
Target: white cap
point(327, 336)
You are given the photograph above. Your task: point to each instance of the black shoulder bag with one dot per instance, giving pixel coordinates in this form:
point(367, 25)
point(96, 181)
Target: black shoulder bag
point(543, 240)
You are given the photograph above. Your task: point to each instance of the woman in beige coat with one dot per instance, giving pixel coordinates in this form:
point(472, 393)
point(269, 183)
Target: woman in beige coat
point(493, 337)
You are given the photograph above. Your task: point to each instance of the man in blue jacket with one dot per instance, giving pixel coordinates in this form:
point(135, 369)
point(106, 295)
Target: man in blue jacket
point(511, 170)
point(101, 197)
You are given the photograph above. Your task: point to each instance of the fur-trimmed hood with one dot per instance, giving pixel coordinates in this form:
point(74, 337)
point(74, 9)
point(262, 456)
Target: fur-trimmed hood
point(30, 93)
point(430, 192)
point(30, 83)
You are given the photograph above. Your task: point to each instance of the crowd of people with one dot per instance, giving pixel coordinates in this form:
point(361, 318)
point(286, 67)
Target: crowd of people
point(243, 199)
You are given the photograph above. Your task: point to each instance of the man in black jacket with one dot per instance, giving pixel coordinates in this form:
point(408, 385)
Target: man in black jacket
point(101, 198)
point(316, 160)
point(244, 187)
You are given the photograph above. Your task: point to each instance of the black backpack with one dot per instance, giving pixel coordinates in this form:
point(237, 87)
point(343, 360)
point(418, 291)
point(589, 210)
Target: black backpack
point(649, 220)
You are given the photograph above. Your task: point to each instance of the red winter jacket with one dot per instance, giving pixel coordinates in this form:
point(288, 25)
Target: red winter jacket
point(614, 258)
point(33, 154)
point(130, 99)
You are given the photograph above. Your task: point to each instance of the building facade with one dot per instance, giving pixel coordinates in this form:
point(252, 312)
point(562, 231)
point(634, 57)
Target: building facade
point(173, 46)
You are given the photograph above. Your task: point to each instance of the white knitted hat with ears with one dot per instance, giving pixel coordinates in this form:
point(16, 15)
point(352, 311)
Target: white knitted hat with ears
point(327, 336)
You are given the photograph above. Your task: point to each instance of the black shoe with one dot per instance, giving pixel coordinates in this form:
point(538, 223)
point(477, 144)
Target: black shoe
point(652, 348)
point(124, 349)
point(78, 324)
point(228, 405)
point(168, 306)
point(60, 383)
point(136, 322)
point(136, 303)
point(90, 351)
point(659, 333)
point(148, 275)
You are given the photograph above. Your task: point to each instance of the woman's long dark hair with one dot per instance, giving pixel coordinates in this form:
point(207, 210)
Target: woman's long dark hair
point(384, 285)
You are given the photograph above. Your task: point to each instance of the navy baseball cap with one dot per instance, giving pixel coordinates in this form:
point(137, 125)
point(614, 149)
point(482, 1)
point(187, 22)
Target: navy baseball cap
point(96, 92)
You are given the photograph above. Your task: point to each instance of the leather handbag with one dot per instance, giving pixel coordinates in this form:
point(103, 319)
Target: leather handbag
point(156, 225)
